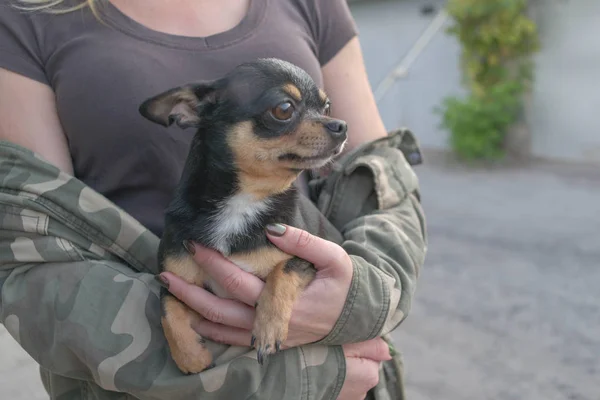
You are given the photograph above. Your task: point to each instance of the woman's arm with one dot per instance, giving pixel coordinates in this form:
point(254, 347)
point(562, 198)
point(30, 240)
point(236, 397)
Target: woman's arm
point(352, 100)
point(385, 235)
point(28, 118)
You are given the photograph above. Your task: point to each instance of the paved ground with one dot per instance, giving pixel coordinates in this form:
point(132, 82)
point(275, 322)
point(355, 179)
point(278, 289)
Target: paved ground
point(508, 305)
point(19, 377)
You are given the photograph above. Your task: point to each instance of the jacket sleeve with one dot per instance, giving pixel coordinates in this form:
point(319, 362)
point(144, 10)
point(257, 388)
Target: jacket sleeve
point(78, 295)
point(94, 328)
point(372, 196)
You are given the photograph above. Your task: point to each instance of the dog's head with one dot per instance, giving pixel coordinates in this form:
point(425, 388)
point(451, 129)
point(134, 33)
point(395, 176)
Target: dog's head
point(270, 115)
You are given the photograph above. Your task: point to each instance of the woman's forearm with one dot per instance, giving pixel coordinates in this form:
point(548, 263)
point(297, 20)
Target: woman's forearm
point(373, 199)
point(347, 85)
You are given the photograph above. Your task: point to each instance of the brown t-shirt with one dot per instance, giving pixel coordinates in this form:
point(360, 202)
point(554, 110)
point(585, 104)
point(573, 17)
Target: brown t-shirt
point(102, 72)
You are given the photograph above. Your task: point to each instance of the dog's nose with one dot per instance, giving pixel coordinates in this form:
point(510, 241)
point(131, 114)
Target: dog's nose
point(337, 129)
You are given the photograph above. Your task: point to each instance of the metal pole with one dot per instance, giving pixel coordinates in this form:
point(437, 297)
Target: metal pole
point(402, 68)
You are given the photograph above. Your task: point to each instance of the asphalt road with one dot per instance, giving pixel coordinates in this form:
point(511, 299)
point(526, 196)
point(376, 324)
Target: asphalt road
point(508, 303)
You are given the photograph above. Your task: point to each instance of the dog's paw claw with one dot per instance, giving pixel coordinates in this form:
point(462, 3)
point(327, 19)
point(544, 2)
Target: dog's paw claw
point(264, 348)
point(269, 332)
point(260, 356)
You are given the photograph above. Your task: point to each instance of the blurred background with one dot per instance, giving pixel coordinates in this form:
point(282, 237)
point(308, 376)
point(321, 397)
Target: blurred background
point(503, 96)
point(508, 303)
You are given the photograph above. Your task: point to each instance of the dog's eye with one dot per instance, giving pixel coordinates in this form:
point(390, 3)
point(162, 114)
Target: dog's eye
point(283, 111)
point(327, 109)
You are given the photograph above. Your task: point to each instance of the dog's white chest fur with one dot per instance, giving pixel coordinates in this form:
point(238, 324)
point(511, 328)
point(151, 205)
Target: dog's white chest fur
point(234, 217)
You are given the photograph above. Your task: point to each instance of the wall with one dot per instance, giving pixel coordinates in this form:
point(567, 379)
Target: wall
point(565, 110)
point(388, 29)
point(564, 116)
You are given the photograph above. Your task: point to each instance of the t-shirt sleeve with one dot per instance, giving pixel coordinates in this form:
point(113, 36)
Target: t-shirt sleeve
point(20, 50)
point(333, 27)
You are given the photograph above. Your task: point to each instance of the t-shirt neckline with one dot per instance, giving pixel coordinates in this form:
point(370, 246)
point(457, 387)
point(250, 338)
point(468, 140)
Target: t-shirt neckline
point(244, 29)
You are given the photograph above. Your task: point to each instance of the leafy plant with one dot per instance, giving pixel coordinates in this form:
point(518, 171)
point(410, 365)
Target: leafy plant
point(497, 40)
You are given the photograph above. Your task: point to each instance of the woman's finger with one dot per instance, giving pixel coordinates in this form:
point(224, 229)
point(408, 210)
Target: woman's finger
point(362, 374)
point(211, 307)
point(374, 349)
point(320, 252)
point(239, 284)
point(223, 334)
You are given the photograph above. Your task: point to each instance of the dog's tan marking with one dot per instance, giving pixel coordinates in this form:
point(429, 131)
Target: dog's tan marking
point(275, 305)
point(263, 186)
point(259, 171)
point(293, 91)
point(322, 96)
point(312, 137)
point(188, 353)
point(182, 102)
point(260, 262)
point(186, 268)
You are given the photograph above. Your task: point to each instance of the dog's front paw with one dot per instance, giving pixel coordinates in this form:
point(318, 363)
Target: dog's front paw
point(269, 332)
point(191, 358)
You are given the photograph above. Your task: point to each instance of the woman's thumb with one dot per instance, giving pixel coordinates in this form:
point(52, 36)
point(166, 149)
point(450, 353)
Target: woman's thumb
point(300, 243)
point(374, 349)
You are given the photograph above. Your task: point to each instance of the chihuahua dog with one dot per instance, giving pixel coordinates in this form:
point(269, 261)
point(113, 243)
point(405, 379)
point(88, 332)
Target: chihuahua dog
point(258, 128)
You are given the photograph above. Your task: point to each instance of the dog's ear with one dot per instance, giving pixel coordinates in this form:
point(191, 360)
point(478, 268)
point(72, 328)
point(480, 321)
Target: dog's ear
point(182, 105)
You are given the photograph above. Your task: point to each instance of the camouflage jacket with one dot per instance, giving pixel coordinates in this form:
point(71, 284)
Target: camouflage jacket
point(78, 294)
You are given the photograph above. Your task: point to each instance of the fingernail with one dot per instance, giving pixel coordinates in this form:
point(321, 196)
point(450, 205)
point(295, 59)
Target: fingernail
point(189, 246)
point(276, 229)
point(162, 281)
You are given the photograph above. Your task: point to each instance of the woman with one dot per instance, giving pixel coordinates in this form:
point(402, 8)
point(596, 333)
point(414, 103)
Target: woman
point(73, 74)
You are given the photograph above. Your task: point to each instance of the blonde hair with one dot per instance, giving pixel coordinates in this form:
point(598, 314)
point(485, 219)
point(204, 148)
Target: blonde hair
point(57, 6)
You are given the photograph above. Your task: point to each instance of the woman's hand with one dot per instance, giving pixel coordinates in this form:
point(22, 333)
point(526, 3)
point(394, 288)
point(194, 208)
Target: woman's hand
point(230, 321)
point(362, 367)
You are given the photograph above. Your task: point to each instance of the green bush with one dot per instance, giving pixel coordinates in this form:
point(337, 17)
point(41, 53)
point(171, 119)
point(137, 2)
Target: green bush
point(497, 40)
